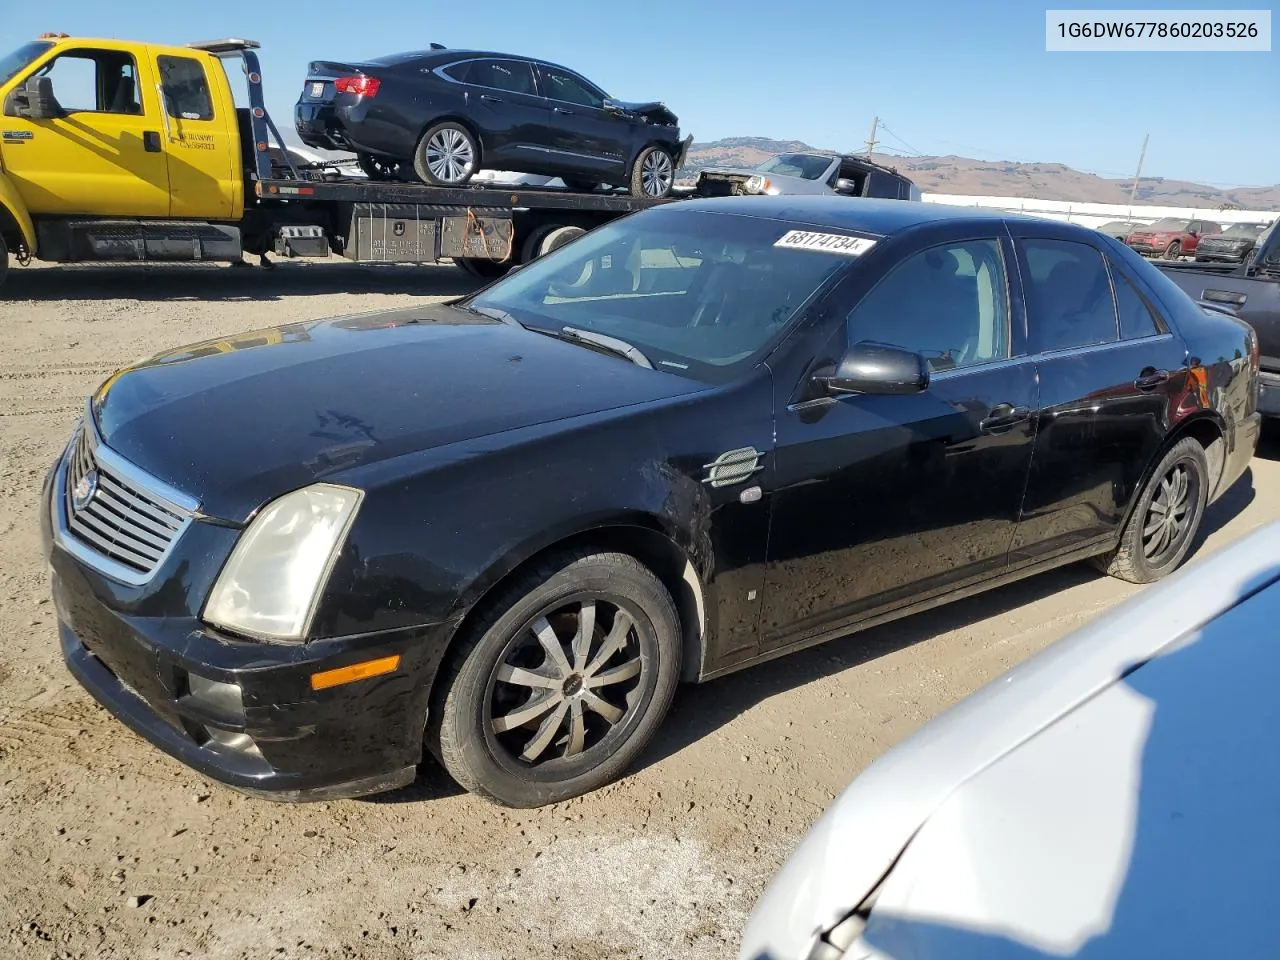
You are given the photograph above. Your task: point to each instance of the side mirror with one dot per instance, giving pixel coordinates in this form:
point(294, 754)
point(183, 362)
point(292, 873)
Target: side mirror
point(844, 185)
point(877, 368)
point(41, 104)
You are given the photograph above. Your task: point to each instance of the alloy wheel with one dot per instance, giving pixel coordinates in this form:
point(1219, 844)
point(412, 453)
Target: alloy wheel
point(565, 686)
point(1169, 514)
point(656, 173)
point(450, 156)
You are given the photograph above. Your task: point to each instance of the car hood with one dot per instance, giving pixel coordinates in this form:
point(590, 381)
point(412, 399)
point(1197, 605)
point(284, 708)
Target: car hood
point(237, 422)
point(944, 827)
point(654, 111)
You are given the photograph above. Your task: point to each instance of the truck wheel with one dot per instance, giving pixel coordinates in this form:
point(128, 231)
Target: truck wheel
point(653, 174)
point(4, 259)
point(557, 690)
point(379, 168)
point(547, 239)
point(482, 268)
point(447, 155)
point(1173, 251)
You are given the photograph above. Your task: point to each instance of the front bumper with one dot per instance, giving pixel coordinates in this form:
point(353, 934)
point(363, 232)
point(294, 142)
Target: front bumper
point(241, 712)
point(1221, 256)
point(1146, 248)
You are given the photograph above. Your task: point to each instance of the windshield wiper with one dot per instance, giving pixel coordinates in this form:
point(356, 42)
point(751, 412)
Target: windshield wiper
point(620, 347)
point(493, 313)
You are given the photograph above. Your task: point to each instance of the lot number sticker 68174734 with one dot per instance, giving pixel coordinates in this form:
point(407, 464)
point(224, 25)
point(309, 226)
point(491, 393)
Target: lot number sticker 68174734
point(824, 242)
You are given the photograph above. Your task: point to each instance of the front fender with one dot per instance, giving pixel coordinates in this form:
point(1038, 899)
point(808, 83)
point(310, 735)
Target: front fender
point(12, 205)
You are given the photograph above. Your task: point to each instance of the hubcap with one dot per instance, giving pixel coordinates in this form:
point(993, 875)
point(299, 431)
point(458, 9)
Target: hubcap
point(1169, 516)
point(565, 682)
point(656, 173)
point(449, 155)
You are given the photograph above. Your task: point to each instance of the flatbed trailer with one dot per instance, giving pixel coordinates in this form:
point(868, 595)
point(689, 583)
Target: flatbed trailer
point(265, 202)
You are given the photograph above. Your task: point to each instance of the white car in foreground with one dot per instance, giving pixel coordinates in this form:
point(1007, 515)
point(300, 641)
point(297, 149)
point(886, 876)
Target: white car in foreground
point(1115, 796)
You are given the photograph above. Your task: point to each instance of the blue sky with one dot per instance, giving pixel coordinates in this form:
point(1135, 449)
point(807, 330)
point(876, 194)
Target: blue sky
point(969, 78)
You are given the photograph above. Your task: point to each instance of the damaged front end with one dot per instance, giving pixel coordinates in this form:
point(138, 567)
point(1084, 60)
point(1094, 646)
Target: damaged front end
point(653, 111)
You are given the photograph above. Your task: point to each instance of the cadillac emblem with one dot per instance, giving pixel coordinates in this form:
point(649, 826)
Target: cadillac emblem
point(84, 490)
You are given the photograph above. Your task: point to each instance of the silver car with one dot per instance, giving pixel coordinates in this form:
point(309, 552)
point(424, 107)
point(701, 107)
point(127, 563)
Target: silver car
point(808, 173)
point(1114, 796)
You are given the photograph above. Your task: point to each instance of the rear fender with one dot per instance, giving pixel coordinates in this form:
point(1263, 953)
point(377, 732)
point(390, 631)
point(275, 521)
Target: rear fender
point(13, 213)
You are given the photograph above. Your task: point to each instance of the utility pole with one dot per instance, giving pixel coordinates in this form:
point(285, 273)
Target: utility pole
point(1137, 176)
point(871, 140)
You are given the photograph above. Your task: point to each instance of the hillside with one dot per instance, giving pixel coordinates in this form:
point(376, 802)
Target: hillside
point(961, 175)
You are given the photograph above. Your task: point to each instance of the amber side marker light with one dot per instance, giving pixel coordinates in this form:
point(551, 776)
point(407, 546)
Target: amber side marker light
point(357, 671)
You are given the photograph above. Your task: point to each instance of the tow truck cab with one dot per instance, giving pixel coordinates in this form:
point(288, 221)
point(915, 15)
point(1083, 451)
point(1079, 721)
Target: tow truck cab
point(105, 144)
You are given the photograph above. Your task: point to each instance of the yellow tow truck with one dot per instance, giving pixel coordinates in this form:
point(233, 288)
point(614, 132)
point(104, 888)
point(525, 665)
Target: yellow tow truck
point(116, 150)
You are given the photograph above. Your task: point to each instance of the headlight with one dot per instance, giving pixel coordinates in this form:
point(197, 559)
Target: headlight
point(756, 185)
point(271, 583)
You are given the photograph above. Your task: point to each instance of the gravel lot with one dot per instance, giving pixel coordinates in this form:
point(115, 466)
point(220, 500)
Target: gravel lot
point(111, 849)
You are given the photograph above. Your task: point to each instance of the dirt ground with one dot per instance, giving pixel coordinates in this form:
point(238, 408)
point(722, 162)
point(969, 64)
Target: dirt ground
point(111, 849)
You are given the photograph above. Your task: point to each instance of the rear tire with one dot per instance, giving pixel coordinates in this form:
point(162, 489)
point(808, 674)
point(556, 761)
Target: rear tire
point(532, 709)
point(653, 174)
point(482, 268)
point(1152, 546)
point(447, 155)
point(548, 239)
point(4, 260)
point(1173, 251)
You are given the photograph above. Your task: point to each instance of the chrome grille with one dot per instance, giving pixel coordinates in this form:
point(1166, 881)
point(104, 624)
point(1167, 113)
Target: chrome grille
point(117, 511)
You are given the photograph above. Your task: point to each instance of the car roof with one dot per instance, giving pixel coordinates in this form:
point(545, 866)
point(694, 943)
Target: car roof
point(876, 217)
point(449, 54)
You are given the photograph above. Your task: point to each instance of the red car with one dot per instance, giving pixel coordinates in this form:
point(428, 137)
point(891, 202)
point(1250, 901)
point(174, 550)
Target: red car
point(1171, 237)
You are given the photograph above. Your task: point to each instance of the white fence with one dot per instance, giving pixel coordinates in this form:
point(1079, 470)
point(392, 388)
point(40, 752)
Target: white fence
point(1096, 214)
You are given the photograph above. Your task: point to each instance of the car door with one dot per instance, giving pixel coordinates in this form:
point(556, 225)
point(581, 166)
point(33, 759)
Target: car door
point(503, 102)
point(103, 155)
point(1111, 378)
point(883, 500)
point(201, 151)
point(582, 135)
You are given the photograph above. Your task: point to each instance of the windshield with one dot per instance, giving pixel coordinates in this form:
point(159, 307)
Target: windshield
point(699, 294)
point(1170, 223)
point(1250, 230)
point(12, 63)
point(806, 166)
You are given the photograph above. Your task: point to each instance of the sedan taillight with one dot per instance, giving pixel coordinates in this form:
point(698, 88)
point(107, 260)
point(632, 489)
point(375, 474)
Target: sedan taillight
point(361, 86)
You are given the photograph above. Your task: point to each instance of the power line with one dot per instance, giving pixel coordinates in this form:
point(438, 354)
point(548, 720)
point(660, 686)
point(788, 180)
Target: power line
point(895, 136)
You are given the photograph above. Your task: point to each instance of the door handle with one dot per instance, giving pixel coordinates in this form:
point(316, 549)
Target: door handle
point(1151, 379)
point(490, 99)
point(151, 141)
point(561, 110)
point(1002, 417)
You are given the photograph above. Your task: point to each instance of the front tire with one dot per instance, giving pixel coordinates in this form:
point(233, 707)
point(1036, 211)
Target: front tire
point(653, 174)
point(1166, 518)
point(1173, 251)
point(559, 688)
point(4, 259)
point(447, 155)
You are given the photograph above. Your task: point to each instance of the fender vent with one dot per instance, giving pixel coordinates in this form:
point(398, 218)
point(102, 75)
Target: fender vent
point(732, 466)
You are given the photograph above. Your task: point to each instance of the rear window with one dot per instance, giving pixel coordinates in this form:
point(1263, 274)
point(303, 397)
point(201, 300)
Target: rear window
point(186, 91)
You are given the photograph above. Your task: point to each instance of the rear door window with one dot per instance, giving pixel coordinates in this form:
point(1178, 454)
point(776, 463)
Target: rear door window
point(514, 76)
point(1068, 292)
point(1136, 316)
point(186, 89)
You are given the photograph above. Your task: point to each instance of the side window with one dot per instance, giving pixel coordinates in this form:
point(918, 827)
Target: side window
point(515, 76)
point(948, 303)
point(1136, 318)
point(559, 85)
point(1069, 302)
point(460, 72)
point(95, 81)
point(186, 91)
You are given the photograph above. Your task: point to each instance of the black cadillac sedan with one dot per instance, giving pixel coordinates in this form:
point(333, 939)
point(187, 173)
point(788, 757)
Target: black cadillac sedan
point(504, 529)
